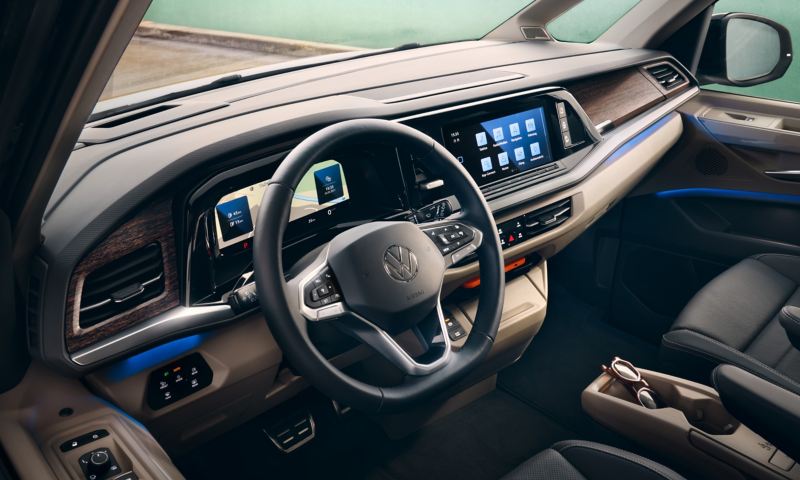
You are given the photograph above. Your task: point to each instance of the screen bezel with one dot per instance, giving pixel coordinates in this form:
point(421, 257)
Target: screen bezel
point(516, 106)
point(477, 119)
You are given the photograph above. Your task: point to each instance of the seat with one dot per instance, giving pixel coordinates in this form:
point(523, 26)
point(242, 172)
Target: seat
point(579, 460)
point(735, 319)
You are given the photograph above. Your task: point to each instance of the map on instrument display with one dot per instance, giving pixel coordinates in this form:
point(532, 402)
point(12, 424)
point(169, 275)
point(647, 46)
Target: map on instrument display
point(322, 188)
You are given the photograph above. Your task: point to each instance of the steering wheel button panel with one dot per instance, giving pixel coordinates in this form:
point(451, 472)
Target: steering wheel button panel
point(321, 290)
point(454, 240)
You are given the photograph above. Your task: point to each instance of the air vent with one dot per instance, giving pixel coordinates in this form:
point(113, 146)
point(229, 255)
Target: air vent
point(548, 217)
point(666, 75)
point(121, 285)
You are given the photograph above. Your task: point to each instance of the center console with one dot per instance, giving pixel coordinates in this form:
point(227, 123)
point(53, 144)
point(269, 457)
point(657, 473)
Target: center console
point(692, 427)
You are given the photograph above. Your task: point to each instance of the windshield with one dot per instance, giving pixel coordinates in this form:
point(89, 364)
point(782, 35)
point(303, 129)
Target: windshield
point(181, 40)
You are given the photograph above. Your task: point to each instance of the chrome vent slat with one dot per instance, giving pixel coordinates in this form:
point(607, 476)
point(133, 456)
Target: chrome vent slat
point(549, 217)
point(121, 285)
point(666, 75)
point(106, 290)
point(147, 257)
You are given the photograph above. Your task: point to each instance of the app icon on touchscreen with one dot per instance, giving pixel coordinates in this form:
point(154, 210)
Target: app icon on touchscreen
point(486, 164)
point(519, 154)
point(497, 134)
point(514, 129)
point(502, 159)
point(530, 125)
point(481, 139)
point(536, 150)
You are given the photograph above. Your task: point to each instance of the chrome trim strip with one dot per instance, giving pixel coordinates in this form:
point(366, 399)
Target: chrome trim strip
point(788, 175)
point(139, 291)
point(170, 322)
point(392, 351)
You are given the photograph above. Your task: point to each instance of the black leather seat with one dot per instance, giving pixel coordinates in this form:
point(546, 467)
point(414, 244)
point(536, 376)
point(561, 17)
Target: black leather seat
point(735, 319)
point(578, 460)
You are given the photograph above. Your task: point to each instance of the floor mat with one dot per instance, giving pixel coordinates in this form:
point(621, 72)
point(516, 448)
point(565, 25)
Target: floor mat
point(565, 357)
point(483, 440)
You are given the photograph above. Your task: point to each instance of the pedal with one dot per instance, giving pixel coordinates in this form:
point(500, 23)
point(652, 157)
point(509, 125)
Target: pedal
point(291, 434)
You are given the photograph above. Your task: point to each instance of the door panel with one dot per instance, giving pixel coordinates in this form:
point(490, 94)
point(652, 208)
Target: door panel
point(713, 200)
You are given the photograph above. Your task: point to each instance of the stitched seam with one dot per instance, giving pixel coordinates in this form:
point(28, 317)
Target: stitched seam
point(634, 459)
point(736, 353)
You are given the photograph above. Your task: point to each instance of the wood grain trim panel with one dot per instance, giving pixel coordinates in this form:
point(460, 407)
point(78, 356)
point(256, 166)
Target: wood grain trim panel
point(616, 96)
point(154, 224)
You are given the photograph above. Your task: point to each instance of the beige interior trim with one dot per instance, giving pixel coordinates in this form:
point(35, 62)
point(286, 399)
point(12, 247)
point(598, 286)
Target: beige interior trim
point(32, 430)
point(694, 429)
point(245, 360)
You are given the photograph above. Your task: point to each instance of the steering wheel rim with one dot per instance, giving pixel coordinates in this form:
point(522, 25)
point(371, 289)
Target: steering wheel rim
point(283, 307)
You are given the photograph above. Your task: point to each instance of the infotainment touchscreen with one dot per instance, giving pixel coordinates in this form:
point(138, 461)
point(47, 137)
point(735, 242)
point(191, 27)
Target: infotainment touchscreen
point(320, 193)
point(498, 148)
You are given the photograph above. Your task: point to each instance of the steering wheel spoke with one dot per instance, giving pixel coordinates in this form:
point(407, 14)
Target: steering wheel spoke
point(381, 281)
point(421, 350)
point(320, 296)
point(455, 238)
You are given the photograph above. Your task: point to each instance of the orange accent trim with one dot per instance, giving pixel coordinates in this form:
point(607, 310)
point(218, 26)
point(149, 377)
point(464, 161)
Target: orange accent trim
point(475, 282)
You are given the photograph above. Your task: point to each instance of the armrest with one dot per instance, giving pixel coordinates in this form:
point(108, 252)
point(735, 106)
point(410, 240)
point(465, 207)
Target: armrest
point(789, 317)
point(769, 410)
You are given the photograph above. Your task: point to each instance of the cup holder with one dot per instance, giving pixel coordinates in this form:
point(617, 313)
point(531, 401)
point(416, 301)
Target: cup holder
point(703, 412)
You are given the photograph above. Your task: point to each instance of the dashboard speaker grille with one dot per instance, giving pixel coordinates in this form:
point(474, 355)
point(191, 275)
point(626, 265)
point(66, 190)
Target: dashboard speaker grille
point(535, 33)
point(122, 284)
point(666, 75)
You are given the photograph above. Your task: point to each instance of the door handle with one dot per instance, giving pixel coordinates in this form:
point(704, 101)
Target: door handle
point(790, 175)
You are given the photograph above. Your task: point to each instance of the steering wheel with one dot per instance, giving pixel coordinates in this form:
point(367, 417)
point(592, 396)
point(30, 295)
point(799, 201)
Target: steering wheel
point(378, 279)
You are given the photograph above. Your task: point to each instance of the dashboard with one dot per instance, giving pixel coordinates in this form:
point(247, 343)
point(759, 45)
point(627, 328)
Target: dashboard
point(504, 146)
point(174, 228)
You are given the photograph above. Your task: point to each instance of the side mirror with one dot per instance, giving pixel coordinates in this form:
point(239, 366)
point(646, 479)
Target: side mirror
point(742, 49)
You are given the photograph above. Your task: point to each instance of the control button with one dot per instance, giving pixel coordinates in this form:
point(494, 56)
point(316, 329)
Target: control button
point(83, 440)
point(566, 139)
point(323, 291)
point(564, 124)
point(99, 464)
point(462, 254)
point(561, 109)
point(244, 298)
point(177, 380)
point(454, 329)
point(782, 461)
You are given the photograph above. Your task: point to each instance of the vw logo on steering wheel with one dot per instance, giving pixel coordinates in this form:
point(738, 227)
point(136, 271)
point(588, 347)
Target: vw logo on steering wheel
point(400, 263)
